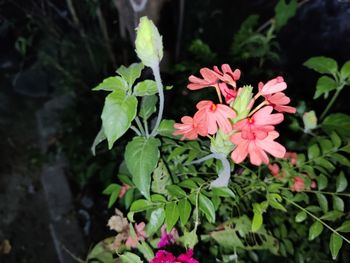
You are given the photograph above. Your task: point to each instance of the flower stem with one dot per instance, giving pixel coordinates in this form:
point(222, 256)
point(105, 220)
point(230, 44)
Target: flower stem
point(262, 104)
point(331, 102)
point(158, 80)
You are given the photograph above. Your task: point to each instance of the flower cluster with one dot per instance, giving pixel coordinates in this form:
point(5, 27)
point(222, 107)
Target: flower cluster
point(250, 130)
point(164, 256)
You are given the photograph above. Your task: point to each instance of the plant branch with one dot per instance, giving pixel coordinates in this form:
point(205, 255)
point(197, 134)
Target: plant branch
point(331, 102)
point(158, 80)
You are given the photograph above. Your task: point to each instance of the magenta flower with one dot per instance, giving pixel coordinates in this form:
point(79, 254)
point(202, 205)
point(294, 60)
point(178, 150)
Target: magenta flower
point(163, 256)
point(272, 86)
point(167, 238)
point(215, 116)
point(190, 128)
point(256, 146)
point(186, 257)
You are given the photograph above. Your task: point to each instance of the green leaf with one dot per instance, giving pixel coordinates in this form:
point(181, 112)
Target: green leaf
point(313, 151)
point(338, 203)
point(131, 73)
point(141, 205)
point(324, 85)
point(148, 106)
point(341, 182)
point(189, 184)
point(315, 230)
point(166, 128)
point(129, 257)
point(146, 250)
point(345, 71)
point(337, 122)
point(257, 217)
point(323, 65)
point(300, 217)
point(175, 191)
point(223, 192)
point(100, 253)
point(141, 156)
point(322, 181)
point(336, 140)
point(326, 145)
point(161, 178)
point(145, 88)
point(98, 139)
point(322, 200)
point(207, 207)
point(332, 215)
point(156, 220)
point(111, 188)
point(345, 227)
point(341, 159)
point(171, 215)
point(284, 11)
point(112, 84)
point(185, 210)
point(335, 243)
point(118, 112)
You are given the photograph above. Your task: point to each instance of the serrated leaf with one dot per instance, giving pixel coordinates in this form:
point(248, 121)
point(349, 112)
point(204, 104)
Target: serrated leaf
point(148, 106)
point(335, 243)
point(118, 112)
point(141, 156)
point(112, 84)
point(171, 215)
point(341, 182)
point(322, 200)
point(323, 65)
point(145, 88)
point(324, 85)
point(131, 73)
point(338, 203)
point(315, 230)
point(345, 227)
point(185, 210)
point(207, 207)
point(156, 220)
point(300, 217)
point(345, 70)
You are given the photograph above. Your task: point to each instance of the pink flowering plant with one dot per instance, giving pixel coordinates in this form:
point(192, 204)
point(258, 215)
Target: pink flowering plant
point(220, 185)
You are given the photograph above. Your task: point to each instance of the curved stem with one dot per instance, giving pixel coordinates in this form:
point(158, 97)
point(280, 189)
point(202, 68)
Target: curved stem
point(139, 125)
point(158, 80)
point(330, 104)
point(135, 130)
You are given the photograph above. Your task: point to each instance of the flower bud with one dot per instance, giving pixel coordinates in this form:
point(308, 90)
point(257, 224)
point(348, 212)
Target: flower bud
point(310, 121)
point(242, 104)
point(221, 143)
point(149, 45)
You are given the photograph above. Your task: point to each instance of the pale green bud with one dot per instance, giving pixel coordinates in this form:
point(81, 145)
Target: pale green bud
point(242, 103)
point(221, 143)
point(310, 121)
point(149, 44)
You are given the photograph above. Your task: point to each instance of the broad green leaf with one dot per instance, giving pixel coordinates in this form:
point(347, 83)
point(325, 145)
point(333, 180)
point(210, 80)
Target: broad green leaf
point(155, 221)
point(341, 159)
point(335, 243)
point(345, 227)
point(338, 203)
point(113, 196)
point(223, 192)
point(332, 215)
point(324, 85)
point(322, 181)
point(129, 257)
point(310, 120)
point(175, 191)
point(325, 164)
point(207, 207)
point(337, 122)
point(161, 179)
point(326, 145)
point(300, 217)
point(141, 205)
point(189, 184)
point(166, 128)
point(284, 11)
point(313, 151)
point(345, 70)
point(98, 139)
point(322, 65)
point(145, 88)
point(322, 200)
point(257, 217)
point(148, 106)
point(335, 139)
point(315, 230)
point(118, 112)
point(341, 182)
point(131, 73)
point(156, 198)
point(185, 210)
point(112, 84)
point(141, 156)
point(171, 215)
point(227, 238)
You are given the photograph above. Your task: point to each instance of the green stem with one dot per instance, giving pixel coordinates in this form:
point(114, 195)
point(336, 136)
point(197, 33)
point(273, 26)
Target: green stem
point(318, 219)
point(139, 125)
point(136, 130)
point(146, 127)
point(331, 102)
point(158, 80)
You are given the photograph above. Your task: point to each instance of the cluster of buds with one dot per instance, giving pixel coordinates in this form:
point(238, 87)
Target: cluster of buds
point(234, 124)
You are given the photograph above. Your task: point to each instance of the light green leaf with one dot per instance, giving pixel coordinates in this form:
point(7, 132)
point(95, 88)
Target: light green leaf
point(141, 205)
point(337, 122)
point(189, 184)
point(323, 65)
point(345, 227)
point(207, 207)
point(223, 192)
point(300, 217)
point(166, 128)
point(322, 200)
point(175, 191)
point(129, 257)
point(341, 182)
point(98, 139)
point(313, 151)
point(284, 11)
point(141, 156)
point(324, 85)
point(148, 106)
point(156, 221)
point(112, 84)
point(145, 88)
point(146, 250)
point(118, 112)
point(171, 215)
point(345, 70)
point(257, 217)
point(338, 203)
point(131, 73)
point(315, 230)
point(185, 210)
point(335, 243)
point(332, 215)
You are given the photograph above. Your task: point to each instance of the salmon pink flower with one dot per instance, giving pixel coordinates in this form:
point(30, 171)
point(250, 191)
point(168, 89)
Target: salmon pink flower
point(123, 190)
point(190, 128)
point(140, 235)
point(292, 156)
point(227, 75)
point(256, 146)
point(298, 184)
point(229, 94)
point(279, 102)
point(209, 79)
point(274, 169)
point(215, 116)
point(272, 86)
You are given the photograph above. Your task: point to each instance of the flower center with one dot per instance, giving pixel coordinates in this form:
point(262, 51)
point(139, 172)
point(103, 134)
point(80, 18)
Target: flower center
point(213, 107)
point(251, 120)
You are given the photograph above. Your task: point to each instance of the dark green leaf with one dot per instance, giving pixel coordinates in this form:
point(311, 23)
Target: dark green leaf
point(335, 243)
point(171, 215)
point(345, 227)
point(284, 11)
point(322, 200)
point(111, 188)
point(141, 156)
point(148, 106)
point(332, 215)
point(189, 184)
point(300, 217)
point(322, 181)
point(175, 191)
point(324, 85)
point(335, 139)
point(341, 182)
point(322, 65)
point(313, 151)
point(185, 210)
point(315, 230)
point(345, 70)
point(338, 203)
point(338, 122)
point(223, 192)
point(341, 159)
point(145, 88)
point(207, 207)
